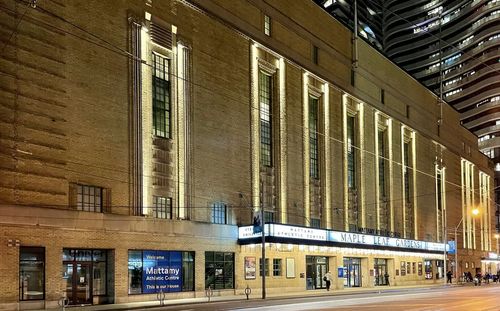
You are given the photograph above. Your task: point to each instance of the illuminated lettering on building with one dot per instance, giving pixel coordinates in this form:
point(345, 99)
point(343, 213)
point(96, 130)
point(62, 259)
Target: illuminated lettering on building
point(313, 234)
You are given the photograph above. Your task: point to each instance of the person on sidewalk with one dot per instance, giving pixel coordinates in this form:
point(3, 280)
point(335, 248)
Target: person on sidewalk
point(386, 276)
point(449, 275)
point(328, 279)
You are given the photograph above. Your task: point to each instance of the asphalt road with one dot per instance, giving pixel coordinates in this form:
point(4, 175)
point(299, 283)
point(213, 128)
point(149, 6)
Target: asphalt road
point(452, 298)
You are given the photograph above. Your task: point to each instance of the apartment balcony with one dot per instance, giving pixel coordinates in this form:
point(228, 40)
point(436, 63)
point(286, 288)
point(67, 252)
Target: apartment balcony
point(475, 99)
point(391, 30)
point(489, 143)
point(478, 110)
point(482, 120)
point(471, 78)
point(488, 130)
point(415, 43)
point(471, 53)
point(476, 88)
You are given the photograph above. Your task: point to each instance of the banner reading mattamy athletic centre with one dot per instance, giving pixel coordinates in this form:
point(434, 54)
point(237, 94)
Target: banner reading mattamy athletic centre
point(161, 270)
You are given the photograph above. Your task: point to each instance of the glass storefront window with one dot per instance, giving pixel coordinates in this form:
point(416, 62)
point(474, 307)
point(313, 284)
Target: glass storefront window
point(219, 270)
point(68, 254)
point(83, 255)
point(32, 273)
point(135, 272)
point(99, 278)
point(187, 271)
point(403, 268)
point(177, 275)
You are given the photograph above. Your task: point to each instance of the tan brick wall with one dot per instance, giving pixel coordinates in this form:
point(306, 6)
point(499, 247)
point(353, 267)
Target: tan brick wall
point(66, 115)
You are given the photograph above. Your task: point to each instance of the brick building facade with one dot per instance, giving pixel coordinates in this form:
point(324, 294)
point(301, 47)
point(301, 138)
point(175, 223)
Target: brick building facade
point(138, 139)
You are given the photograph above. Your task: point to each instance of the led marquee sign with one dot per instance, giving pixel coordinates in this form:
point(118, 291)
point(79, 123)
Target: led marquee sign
point(312, 234)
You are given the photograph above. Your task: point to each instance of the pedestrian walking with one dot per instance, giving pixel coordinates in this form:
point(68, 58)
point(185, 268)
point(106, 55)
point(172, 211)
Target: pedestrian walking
point(386, 276)
point(328, 280)
point(449, 275)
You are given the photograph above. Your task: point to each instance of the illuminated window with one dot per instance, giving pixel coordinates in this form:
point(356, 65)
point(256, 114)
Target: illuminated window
point(277, 271)
point(267, 25)
point(381, 163)
point(219, 213)
point(161, 96)
point(265, 102)
point(314, 137)
point(162, 207)
point(89, 198)
point(351, 152)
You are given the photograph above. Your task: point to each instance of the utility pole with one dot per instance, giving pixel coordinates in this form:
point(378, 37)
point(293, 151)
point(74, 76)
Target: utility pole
point(263, 223)
point(355, 38)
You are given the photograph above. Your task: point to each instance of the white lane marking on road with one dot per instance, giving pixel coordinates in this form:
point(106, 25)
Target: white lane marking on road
point(323, 304)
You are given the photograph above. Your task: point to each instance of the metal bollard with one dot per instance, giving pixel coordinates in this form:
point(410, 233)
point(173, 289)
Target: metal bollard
point(63, 302)
point(248, 291)
point(209, 293)
point(161, 297)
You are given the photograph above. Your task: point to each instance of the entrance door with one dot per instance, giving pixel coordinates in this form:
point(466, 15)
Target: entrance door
point(316, 269)
point(321, 270)
point(78, 283)
point(352, 272)
point(380, 269)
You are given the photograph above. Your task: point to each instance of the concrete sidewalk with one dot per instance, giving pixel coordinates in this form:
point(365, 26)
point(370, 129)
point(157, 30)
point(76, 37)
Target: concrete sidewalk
point(303, 294)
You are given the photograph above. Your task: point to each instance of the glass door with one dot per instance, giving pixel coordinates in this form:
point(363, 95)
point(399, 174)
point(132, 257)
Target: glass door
point(352, 272)
point(68, 280)
point(316, 268)
point(321, 270)
point(380, 268)
point(83, 284)
point(78, 283)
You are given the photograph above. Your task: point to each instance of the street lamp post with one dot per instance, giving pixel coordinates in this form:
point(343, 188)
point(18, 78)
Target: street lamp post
point(474, 213)
point(497, 236)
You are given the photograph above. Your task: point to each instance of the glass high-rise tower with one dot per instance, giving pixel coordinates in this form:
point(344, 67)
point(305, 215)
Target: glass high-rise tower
point(463, 67)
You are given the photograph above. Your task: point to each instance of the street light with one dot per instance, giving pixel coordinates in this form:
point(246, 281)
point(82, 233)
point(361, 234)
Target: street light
point(475, 212)
point(496, 237)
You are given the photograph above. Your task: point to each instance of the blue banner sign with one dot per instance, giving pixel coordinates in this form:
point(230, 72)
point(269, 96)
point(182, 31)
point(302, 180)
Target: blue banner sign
point(340, 272)
point(161, 270)
point(451, 247)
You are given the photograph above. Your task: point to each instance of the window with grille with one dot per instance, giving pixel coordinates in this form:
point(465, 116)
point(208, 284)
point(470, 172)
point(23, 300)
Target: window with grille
point(351, 152)
point(219, 213)
point(267, 25)
point(266, 267)
point(315, 222)
point(265, 102)
point(162, 207)
point(161, 96)
point(381, 163)
point(219, 270)
point(407, 171)
point(315, 54)
point(89, 198)
point(313, 137)
point(268, 217)
point(277, 267)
